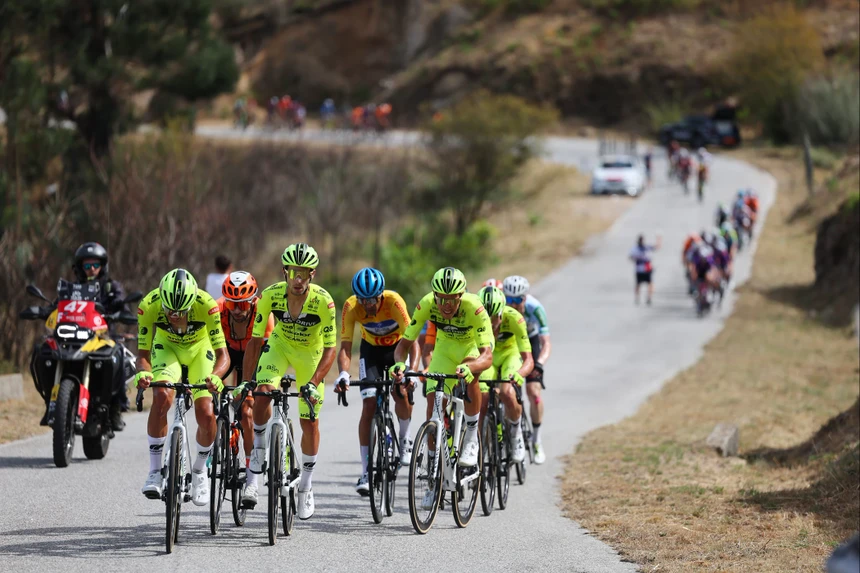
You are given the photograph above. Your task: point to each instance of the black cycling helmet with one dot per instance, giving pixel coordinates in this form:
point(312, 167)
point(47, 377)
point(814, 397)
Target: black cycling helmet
point(91, 250)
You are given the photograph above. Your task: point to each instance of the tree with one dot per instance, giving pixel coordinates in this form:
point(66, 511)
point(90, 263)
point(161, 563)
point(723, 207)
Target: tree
point(94, 56)
point(477, 149)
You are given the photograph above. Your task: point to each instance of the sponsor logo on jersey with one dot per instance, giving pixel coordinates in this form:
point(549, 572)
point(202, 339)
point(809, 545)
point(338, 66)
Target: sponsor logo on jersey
point(479, 310)
point(213, 310)
point(139, 310)
point(331, 304)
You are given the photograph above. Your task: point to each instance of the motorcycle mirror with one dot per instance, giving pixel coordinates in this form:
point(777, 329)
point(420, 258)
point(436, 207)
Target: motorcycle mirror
point(127, 318)
point(30, 313)
point(34, 291)
point(136, 296)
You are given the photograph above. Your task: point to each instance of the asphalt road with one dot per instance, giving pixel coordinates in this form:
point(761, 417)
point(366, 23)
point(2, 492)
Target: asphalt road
point(608, 356)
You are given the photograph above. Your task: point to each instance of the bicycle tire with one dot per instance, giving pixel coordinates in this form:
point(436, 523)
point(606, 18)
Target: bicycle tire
point(237, 484)
point(431, 480)
point(526, 427)
point(288, 503)
point(274, 471)
point(173, 499)
point(391, 467)
point(488, 451)
point(465, 497)
point(503, 457)
point(376, 474)
point(218, 474)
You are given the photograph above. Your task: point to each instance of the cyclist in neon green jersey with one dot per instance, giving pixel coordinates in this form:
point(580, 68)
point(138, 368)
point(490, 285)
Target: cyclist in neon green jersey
point(464, 346)
point(180, 325)
point(512, 360)
point(303, 338)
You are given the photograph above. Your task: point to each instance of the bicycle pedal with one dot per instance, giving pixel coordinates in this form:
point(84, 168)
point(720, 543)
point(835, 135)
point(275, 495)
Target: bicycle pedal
point(186, 498)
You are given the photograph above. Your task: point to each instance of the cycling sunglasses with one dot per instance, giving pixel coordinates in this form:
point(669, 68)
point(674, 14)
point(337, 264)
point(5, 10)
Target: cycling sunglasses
point(369, 301)
point(174, 313)
point(440, 300)
point(89, 266)
point(514, 299)
point(303, 274)
point(241, 305)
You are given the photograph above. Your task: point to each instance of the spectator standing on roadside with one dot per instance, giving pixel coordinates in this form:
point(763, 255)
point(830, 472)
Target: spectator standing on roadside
point(223, 267)
point(641, 257)
point(647, 160)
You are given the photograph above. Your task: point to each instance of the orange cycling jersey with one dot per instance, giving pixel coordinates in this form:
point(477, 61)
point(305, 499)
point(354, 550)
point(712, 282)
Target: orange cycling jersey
point(239, 340)
point(752, 203)
point(689, 242)
point(430, 335)
point(383, 329)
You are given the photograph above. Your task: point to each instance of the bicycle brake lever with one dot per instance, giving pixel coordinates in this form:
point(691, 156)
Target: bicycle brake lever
point(139, 401)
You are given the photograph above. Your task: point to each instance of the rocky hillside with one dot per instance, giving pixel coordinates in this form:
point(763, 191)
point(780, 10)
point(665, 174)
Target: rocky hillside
point(601, 59)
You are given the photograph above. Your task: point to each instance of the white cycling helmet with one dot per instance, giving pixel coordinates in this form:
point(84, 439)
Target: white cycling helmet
point(515, 285)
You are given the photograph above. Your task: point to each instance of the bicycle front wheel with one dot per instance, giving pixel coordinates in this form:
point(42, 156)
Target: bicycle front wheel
point(488, 451)
point(218, 474)
point(275, 472)
point(391, 465)
point(376, 471)
point(173, 499)
point(466, 488)
point(425, 478)
point(237, 482)
point(291, 473)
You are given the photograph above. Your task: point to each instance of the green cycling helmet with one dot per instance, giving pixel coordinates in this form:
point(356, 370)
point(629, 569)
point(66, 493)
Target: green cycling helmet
point(449, 280)
point(300, 255)
point(493, 300)
point(177, 290)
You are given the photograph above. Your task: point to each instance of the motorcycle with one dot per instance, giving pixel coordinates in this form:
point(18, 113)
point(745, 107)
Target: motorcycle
point(81, 358)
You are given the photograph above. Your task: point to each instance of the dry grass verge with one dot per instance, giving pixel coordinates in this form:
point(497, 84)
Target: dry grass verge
point(649, 487)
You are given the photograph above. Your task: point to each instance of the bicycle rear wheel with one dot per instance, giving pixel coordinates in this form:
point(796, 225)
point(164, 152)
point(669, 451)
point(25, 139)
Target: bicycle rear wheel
point(291, 471)
point(488, 451)
point(391, 467)
point(218, 472)
point(467, 487)
point(173, 499)
point(425, 478)
point(376, 470)
point(275, 471)
point(526, 426)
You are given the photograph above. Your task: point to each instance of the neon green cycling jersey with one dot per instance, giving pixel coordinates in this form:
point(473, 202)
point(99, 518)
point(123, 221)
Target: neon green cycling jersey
point(513, 337)
point(312, 328)
point(470, 327)
point(204, 321)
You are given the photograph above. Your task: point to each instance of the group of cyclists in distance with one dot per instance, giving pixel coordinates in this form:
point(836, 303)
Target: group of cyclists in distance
point(500, 332)
point(286, 111)
point(707, 256)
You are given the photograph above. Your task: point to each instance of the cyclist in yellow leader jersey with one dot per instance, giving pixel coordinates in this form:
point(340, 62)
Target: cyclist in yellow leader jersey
point(179, 325)
point(464, 346)
point(512, 360)
point(303, 338)
point(383, 318)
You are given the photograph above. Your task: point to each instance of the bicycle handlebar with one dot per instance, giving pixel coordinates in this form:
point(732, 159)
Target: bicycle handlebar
point(286, 381)
point(170, 385)
point(379, 383)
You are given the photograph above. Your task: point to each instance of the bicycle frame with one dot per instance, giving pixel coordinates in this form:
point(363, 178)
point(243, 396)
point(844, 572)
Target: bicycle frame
point(456, 408)
point(180, 410)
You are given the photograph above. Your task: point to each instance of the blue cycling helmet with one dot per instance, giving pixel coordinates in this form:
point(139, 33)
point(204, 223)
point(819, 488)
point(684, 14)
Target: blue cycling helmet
point(368, 283)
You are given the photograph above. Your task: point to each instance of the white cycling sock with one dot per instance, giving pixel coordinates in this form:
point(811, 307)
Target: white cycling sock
point(250, 479)
point(308, 464)
point(156, 447)
point(404, 429)
point(364, 450)
point(536, 435)
point(259, 436)
point(203, 453)
point(516, 430)
point(471, 428)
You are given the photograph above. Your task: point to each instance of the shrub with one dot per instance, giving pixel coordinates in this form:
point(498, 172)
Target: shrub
point(829, 110)
point(664, 112)
point(774, 53)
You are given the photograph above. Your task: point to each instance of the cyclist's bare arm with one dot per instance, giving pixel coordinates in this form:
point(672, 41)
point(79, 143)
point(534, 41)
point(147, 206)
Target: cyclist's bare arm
point(344, 356)
point(427, 353)
point(545, 348)
point(222, 362)
point(324, 366)
point(481, 362)
point(252, 354)
point(144, 361)
point(414, 355)
point(528, 364)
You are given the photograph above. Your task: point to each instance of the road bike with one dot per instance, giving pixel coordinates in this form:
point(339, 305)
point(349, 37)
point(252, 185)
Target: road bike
point(281, 466)
point(176, 471)
point(383, 455)
point(497, 450)
point(225, 471)
point(436, 451)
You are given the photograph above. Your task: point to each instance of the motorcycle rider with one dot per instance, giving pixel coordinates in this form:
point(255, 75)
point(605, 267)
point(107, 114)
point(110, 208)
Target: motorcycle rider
point(90, 264)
